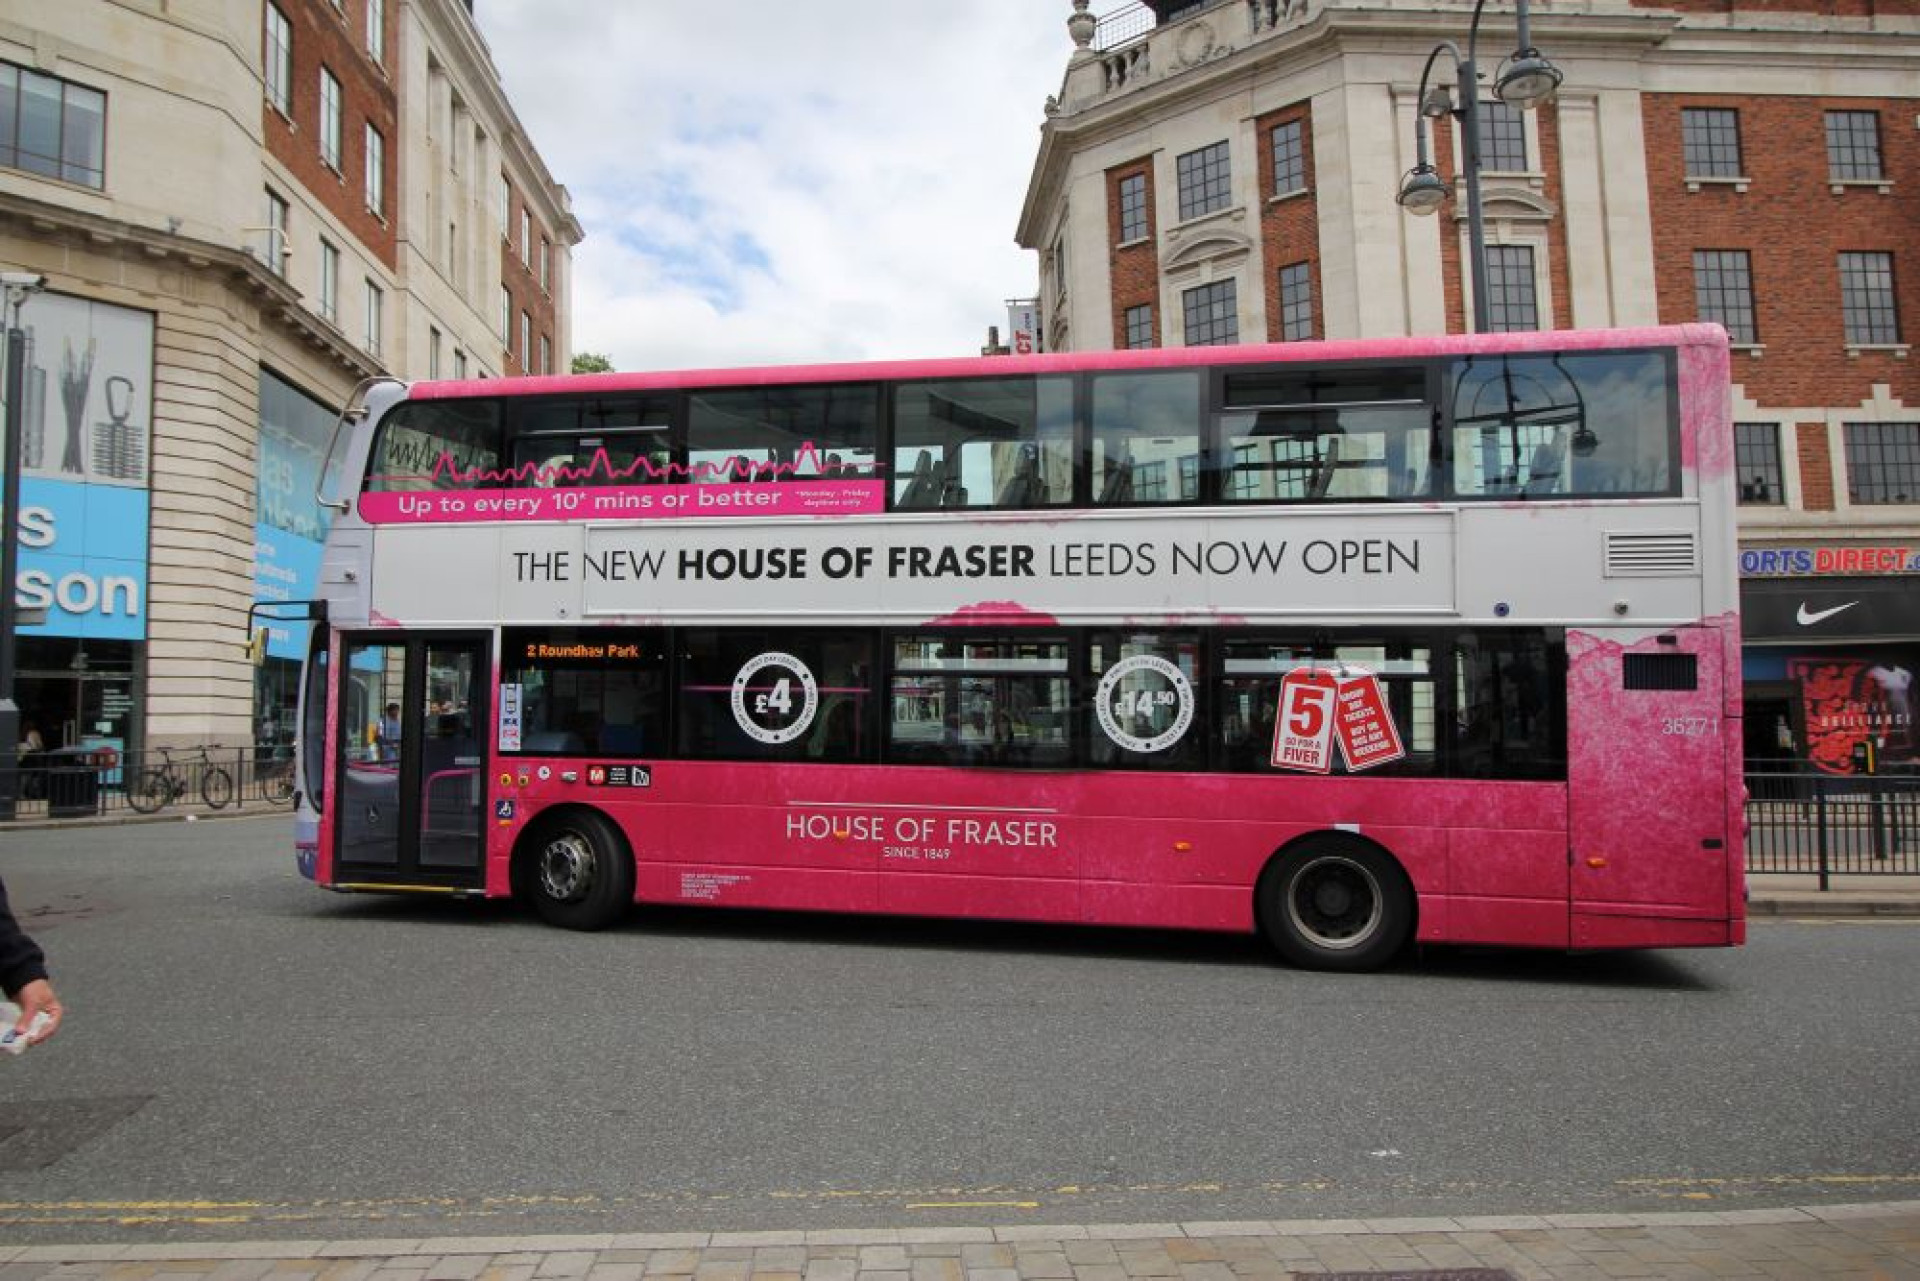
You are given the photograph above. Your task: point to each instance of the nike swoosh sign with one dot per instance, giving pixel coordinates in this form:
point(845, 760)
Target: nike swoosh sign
point(1808, 617)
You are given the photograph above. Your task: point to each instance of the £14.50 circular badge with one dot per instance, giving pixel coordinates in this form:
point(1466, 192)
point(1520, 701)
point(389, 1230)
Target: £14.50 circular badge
point(778, 706)
point(1128, 715)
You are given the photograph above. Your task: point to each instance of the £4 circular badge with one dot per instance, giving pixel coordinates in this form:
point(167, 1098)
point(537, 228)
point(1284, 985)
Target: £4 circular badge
point(1129, 709)
point(775, 697)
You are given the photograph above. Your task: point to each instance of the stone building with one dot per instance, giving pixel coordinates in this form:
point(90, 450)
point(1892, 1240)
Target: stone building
point(1227, 171)
point(241, 209)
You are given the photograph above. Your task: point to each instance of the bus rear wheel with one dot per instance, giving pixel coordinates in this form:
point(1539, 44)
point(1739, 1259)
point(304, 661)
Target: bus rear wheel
point(579, 873)
point(1336, 905)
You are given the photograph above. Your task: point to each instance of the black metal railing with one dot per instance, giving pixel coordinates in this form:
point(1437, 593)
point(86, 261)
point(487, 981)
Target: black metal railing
point(1829, 825)
point(82, 782)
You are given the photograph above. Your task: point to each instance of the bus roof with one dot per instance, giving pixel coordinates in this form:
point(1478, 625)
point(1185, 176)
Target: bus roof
point(1076, 362)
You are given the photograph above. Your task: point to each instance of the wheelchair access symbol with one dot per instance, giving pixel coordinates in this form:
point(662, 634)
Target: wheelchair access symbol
point(503, 811)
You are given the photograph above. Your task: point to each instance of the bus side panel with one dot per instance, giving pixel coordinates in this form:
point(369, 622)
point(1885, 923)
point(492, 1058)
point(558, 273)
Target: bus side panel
point(1508, 887)
point(1648, 780)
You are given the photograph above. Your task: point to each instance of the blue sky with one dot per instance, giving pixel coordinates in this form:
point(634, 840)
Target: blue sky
point(770, 182)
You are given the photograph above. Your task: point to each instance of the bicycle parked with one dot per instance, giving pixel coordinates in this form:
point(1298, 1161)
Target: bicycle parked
point(273, 778)
point(161, 785)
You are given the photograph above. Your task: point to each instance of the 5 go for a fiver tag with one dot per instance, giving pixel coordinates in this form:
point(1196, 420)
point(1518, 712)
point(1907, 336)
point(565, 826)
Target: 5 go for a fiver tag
point(1322, 706)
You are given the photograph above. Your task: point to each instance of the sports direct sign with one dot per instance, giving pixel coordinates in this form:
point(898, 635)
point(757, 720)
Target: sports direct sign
point(1800, 562)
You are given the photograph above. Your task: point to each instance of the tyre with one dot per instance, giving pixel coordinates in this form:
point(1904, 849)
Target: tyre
point(150, 789)
point(579, 872)
point(216, 788)
point(1336, 904)
point(278, 788)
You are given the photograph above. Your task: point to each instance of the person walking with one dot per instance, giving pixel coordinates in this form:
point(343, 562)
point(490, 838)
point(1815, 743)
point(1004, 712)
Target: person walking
point(23, 976)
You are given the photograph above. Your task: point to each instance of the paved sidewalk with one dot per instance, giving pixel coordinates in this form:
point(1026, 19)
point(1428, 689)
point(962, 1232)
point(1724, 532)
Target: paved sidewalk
point(1798, 894)
point(1863, 1241)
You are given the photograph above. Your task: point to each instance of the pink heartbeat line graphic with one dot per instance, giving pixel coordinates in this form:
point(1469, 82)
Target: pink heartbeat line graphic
point(643, 470)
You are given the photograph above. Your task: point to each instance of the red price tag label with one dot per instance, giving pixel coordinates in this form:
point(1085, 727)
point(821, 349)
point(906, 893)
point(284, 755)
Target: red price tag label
point(1303, 732)
point(1365, 722)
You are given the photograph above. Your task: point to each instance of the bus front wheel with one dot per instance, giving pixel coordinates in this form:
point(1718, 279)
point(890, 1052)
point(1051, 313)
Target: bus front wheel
point(1336, 905)
point(578, 872)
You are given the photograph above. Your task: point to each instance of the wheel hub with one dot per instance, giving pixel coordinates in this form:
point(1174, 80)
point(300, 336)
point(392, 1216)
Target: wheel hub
point(566, 868)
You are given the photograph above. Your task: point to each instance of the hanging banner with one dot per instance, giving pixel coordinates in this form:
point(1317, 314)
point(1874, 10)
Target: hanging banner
point(1365, 723)
point(1303, 732)
point(1321, 707)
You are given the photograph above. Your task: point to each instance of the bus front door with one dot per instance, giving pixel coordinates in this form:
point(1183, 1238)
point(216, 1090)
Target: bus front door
point(412, 765)
point(1647, 777)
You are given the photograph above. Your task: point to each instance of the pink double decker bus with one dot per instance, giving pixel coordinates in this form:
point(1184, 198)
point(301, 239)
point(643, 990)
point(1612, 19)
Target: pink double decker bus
point(1352, 644)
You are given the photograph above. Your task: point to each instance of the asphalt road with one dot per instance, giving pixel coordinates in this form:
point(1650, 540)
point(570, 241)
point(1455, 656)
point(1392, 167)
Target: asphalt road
point(249, 1057)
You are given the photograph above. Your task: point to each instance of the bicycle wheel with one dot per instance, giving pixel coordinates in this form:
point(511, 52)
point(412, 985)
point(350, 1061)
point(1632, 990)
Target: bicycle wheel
point(277, 787)
point(216, 787)
point(150, 789)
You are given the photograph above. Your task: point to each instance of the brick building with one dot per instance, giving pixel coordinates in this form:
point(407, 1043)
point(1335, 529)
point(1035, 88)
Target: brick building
point(1227, 171)
point(241, 209)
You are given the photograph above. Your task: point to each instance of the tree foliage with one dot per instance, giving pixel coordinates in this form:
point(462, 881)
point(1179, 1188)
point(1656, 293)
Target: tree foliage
point(591, 362)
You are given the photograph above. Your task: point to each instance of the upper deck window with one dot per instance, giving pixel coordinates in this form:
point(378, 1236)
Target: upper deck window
point(1578, 425)
point(434, 445)
point(1322, 435)
point(983, 442)
point(603, 441)
point(782, 433)
point(1146, 438)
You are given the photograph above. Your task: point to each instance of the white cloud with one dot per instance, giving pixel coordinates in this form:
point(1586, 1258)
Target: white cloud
point(769, 182)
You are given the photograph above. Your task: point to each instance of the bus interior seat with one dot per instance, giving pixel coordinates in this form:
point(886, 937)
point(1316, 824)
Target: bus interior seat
point(1329, 464)
point(1119, 485)
point(554, 742)
point(925, 484)
point(1024, 488)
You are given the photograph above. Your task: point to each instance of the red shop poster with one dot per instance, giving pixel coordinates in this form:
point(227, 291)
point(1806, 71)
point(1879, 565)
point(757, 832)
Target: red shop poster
point(1364, 722)
point(1303, 732)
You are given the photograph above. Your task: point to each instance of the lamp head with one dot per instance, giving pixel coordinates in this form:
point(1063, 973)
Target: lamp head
point(1584, 441)
point(1528, 81)
point(1422, 191)
point(1437, 103)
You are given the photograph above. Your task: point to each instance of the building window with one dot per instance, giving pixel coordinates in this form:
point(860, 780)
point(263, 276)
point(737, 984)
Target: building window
point(377, 30)
point(1140, 326)
point(376, 171)
point(52, 127)
point(1289, 158)
point(276, 249)
point(526, 238)
point(1853, 146)
point(526, 342)
point(1212, 314)
point(433, 352)
point(329, 120)
point(1503, 137)
point(279, 62)
point(1883, 462)
point(546, 264)
point(459, 363)
point(1206, 182)
point(506, 210)
point(329, 283)
point(1133, 208)
point(1710, 137)
point(506, 318)
point(1756, 460)
point(546, 354)
point(1866, 298)
point(1723, 291)
point(1296, 302)
point(1512, 302)
point(376, 305)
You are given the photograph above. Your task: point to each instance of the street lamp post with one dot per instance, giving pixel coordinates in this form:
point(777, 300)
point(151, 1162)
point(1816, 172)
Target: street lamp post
point(19, 285)
point(1525, 81)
